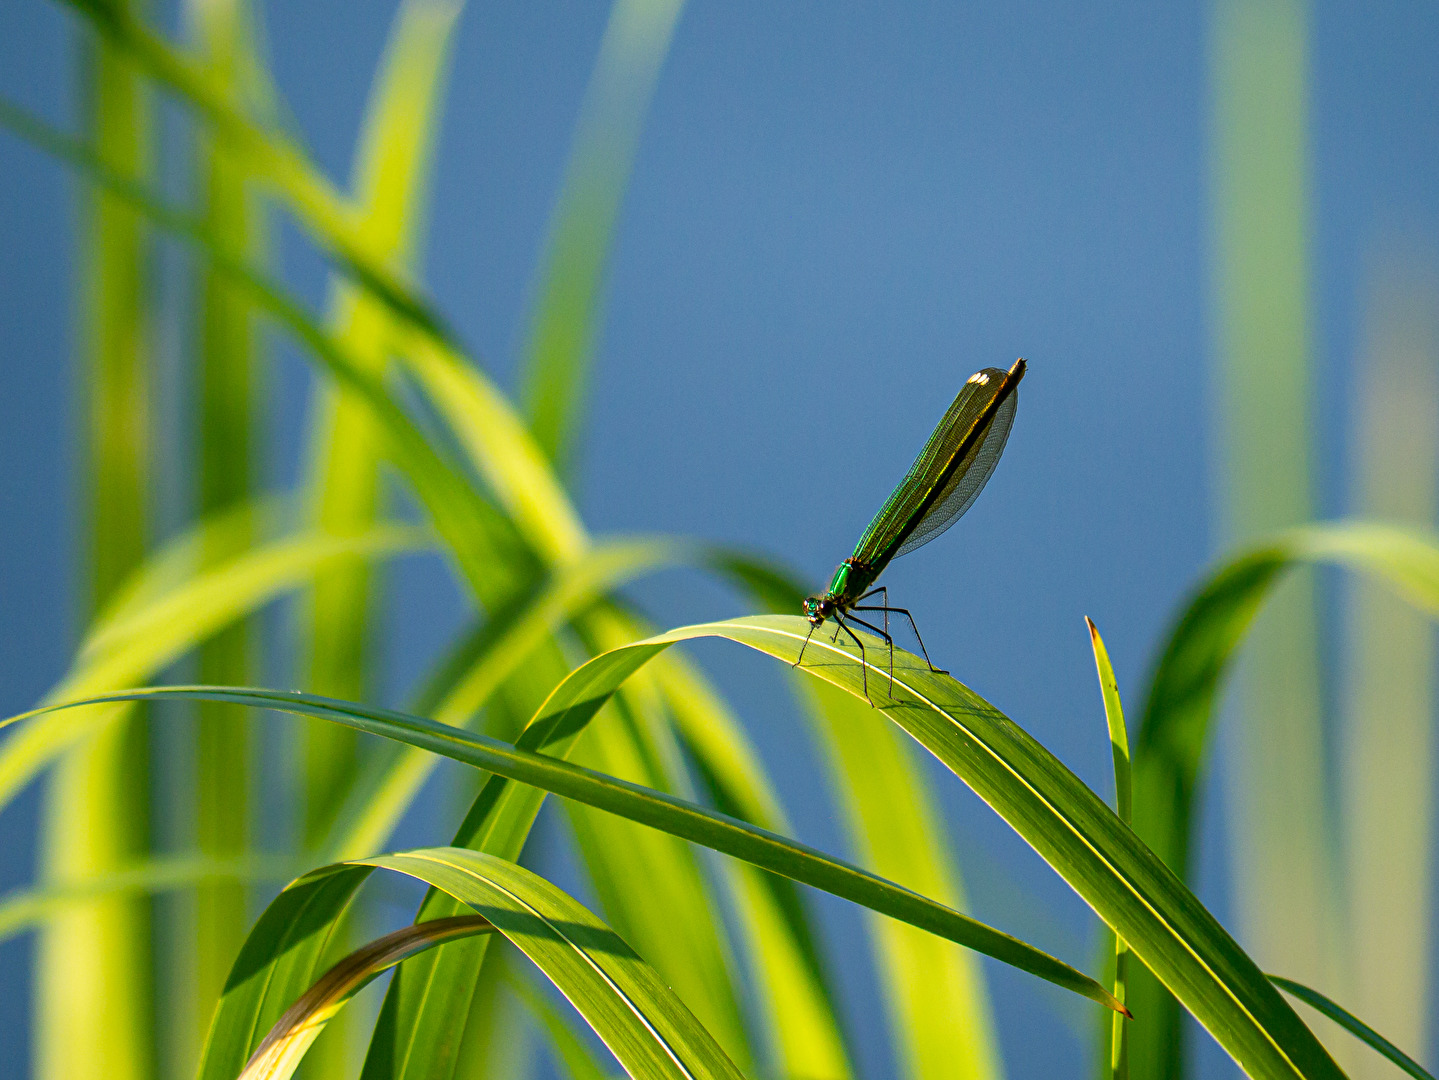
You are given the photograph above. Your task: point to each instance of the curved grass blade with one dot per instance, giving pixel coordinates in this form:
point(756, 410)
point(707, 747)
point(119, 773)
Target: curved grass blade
point(284, 1045)
point(581, 694)
point(564, 324)
point(568, 1047)
point(643, 1022)
point(346, 443)
point(621, 997)
point(940, 1022)
point(1160, 919)
point(316, 203)
point(138, 641)
point(1352, 1024)
point(490, 556)
point(1117, 1065)
point(510, 637)
point(24, 909)
point(1184, 693)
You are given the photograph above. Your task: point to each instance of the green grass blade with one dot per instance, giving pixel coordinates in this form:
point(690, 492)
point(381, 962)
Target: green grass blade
point(388, 787)
point(1351, 1023)
point(941, 1024)
point(1116, 1043)
point(569, 1048)
point(26, 909)
point(488, 553)
point(565, 322)
point(346, 444)
point(793, 986)
point(284, 167)
point(620, 996)
point(1388, 739)
point(229, 390)
point(284, 1045)
point(1183, 695)
point(1281, 850)
point(500, 447)
point(135, 643)
point(577, 698)
point(93, 972)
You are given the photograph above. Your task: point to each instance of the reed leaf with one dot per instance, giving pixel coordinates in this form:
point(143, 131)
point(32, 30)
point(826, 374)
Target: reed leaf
point(1116, 1041)
point(1183, 696)
point(572, 703)
point(940, 1021)
point(565, 321)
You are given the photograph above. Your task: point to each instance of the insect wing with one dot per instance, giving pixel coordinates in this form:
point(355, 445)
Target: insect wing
point(950, 471)
point(967, 481)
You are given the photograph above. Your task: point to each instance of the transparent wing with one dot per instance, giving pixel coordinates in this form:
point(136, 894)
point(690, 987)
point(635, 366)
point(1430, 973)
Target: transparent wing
point(968, 480)
point(949, 472)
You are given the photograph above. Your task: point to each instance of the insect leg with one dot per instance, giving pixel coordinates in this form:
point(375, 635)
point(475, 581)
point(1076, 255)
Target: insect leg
point(927, 660)
point(812, 628)
point(884, 607)
point(863, 664)
point(887, 640)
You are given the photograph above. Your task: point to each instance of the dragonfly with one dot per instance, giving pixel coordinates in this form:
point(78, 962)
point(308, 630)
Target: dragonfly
point(941, 485)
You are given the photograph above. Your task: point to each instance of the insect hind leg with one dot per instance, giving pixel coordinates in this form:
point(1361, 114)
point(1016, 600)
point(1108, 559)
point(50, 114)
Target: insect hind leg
point(905, 612)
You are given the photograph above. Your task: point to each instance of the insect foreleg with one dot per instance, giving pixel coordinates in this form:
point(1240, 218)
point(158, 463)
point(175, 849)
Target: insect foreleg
point(812, 628)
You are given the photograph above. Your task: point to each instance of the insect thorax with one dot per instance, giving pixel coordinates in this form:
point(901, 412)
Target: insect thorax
point(849, 581)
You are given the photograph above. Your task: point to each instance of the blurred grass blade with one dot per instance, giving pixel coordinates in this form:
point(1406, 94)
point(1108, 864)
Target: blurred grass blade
point(500, 447)
point(568, 1047)
point(138, 642)
point(940, 1020)
point(1388, 723)
point(676, 920)
point(1116, 1065)
point(1352, 1024)
point(565, 322)
point(1281, 849)
point(346, 444)
point(276, 159)
point(483, 542)
point(25, 909)
point(386, 790)
point(796, 997)
point(93, 974)
point(282, 1048)
point(620, 996)
point(578, 697)
point(229, 392)
point(1184, 690)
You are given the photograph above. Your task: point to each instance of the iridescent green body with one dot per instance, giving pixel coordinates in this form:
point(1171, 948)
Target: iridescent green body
point(940, 486)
